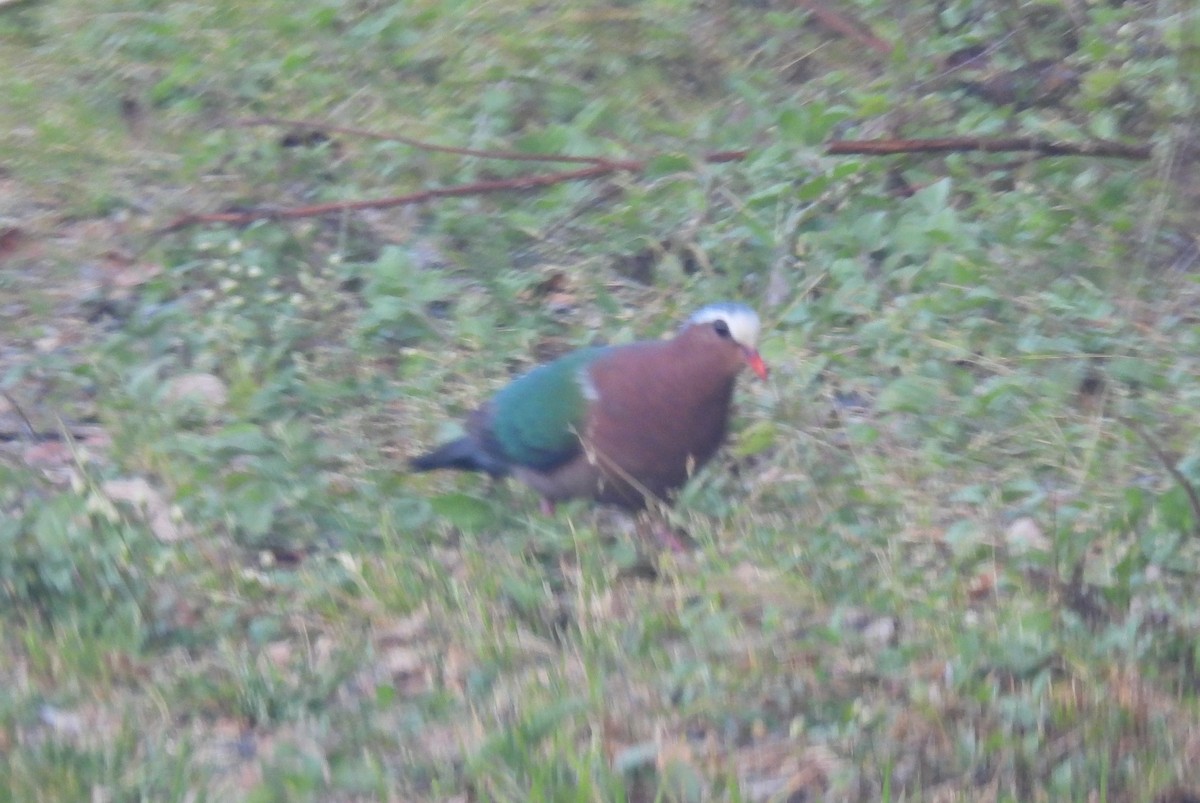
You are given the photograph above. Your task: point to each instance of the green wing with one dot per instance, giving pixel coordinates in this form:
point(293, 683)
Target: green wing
point(535, 421)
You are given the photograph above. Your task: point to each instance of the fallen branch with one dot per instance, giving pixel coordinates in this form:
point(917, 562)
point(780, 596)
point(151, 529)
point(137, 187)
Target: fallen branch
point(517, 183)
point(883, 147)
point(848, 27)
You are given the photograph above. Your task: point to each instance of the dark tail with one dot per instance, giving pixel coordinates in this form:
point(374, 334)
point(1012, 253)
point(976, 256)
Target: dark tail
point(464, 454)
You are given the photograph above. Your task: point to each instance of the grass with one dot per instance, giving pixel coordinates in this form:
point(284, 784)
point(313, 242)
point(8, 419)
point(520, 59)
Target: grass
point(949, 554)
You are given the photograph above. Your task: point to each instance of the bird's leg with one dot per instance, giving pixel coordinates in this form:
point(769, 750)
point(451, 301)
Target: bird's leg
point(547, 507)
point(668, 537)
point(659, 525)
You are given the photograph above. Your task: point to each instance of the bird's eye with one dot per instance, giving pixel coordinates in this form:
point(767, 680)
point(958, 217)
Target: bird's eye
point(721, 328)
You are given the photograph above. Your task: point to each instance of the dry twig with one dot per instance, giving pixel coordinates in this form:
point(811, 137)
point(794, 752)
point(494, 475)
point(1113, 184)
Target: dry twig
point(848, 27)
point(1188, 488)
point(1040, 147)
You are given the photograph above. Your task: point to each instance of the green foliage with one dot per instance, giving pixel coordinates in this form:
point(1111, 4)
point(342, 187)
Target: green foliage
point(74, 557)
point(398, 294)
point(58, 770)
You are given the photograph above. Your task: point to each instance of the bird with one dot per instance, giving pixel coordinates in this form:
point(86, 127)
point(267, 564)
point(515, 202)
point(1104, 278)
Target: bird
point(623, 425)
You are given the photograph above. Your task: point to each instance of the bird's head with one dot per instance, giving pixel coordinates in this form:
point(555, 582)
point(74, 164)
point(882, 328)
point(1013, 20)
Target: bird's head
point(735, 324)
